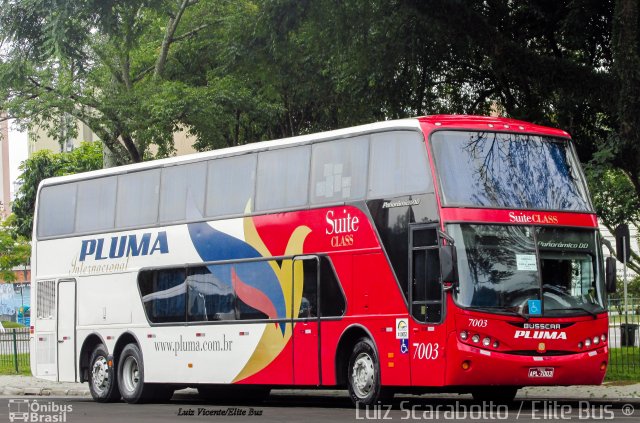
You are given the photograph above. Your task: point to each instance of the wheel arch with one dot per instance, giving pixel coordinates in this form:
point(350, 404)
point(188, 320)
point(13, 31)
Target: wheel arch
point(350, 336)
point(88, 345)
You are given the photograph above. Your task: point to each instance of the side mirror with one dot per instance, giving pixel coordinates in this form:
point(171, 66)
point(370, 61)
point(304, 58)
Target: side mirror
point(448, 263)
point(610, 274)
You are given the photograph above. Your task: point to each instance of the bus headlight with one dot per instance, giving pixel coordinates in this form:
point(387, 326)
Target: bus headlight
point(475, 338)
point(486, 342)
point(596, 340)
point(464, 335)
point(603, 337)
point(587, 343)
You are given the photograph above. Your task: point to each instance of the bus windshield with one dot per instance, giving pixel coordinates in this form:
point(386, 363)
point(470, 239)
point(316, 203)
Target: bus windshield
point(501, 170)
point(502, 268)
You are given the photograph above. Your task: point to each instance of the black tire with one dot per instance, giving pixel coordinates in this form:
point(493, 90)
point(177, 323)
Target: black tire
point(103, 383)
point(131, 377)
point(363, 376)
point(221, 394)
point(497, 394)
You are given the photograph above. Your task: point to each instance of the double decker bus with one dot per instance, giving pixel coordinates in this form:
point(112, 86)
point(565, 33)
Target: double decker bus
point(441, 253)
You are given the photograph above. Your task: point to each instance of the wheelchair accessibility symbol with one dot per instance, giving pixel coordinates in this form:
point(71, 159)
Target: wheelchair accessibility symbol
point(535, 307)
point(404, 346)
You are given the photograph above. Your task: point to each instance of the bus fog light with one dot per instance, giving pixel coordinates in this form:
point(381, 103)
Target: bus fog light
point(475, 338)
point(464, 335)
point(486, 342)
point(466, 365)
point(596, 340)
point(587, 343)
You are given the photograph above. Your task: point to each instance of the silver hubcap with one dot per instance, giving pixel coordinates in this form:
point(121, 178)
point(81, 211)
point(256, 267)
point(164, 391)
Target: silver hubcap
point(100, 374)
point(130, 373)
point(362, 375)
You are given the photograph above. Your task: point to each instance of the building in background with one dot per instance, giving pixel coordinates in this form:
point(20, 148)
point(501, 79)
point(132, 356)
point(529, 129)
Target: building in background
point(40, 140)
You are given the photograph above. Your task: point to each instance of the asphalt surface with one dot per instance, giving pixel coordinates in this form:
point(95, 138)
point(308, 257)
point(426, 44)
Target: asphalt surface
point(310, 408)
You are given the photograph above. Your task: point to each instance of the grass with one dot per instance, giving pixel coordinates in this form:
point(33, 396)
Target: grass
point(624, 364)
point(10, 325)
point(7, 365)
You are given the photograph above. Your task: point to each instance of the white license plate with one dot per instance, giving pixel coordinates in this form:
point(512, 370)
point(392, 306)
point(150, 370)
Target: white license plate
point(541, 372)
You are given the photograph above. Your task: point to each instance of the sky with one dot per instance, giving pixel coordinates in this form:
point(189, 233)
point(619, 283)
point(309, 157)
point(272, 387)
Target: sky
point(18, 150)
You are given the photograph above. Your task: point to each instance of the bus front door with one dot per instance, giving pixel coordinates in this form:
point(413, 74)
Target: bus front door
point(427, 334)
point(306, 324)
point(66, 330)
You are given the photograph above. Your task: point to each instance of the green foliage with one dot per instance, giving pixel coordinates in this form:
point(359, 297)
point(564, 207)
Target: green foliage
point(45, 164)
point(15, 250)
point(11, 325)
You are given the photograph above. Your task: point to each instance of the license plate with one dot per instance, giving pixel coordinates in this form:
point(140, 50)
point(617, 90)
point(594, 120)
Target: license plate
point(541, 372)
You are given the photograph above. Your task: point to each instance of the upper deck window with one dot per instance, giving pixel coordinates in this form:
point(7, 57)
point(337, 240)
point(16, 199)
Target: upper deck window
point(488, 169)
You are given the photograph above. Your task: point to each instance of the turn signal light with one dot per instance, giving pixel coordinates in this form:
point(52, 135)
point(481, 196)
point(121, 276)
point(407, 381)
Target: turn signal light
point(466, 365)
point(603, 366)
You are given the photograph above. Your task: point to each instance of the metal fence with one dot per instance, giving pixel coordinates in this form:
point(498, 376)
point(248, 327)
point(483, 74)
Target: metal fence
point(14, 350)
point(624, 338)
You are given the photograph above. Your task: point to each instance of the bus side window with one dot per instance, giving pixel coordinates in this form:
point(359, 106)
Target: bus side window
point(207, 298)
point(163, 294)
point(332, 301)
point(426, 287)
point(309, 301)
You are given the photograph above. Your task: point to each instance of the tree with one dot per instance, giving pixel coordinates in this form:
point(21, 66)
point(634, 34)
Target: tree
point(15, 249)
point(101, 62)
point(45, 164)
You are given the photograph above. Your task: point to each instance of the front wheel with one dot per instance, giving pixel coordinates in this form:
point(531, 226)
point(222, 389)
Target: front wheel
point(131, 376)
point(364, 375)
point(102, 378)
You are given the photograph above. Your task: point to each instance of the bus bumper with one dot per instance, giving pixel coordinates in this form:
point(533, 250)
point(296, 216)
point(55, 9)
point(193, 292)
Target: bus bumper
point(485, 367)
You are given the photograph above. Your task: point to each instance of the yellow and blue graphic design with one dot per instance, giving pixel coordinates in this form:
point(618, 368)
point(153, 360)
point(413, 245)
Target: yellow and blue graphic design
point(265, 285)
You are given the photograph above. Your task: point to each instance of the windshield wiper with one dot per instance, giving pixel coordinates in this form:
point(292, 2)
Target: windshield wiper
point(504, 311)
point(586, 310)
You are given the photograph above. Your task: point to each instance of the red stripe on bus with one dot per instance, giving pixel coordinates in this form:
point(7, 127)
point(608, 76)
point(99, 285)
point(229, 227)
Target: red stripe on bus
point(518, 217)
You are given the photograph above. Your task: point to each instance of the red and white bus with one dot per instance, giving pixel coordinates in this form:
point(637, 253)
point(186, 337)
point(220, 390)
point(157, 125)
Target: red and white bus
point(441, 253)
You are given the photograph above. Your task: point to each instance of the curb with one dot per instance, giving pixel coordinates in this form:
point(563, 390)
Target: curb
point(12, 391)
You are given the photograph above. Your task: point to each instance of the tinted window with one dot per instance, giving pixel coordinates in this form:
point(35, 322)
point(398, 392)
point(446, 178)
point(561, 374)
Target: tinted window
point(398, 165)
point(182, 192)
point(283, 178)
point(230, 184)
point(163, 294)
point(520, 171)
point(96, 204)
point(309, 301)
point(209, 299)
point(332, 302)
point(56, 210)
point(339, 170)
point(138, 194)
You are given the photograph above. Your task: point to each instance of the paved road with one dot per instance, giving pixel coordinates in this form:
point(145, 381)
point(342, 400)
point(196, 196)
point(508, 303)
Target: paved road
point(318, 407)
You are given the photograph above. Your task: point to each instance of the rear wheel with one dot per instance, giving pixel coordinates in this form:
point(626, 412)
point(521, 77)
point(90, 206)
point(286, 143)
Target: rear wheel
point(133, 388)
point(363, 375)
point(102, 376)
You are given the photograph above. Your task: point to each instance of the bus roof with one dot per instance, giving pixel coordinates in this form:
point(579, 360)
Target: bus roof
point(469, 122)
point(489, 123)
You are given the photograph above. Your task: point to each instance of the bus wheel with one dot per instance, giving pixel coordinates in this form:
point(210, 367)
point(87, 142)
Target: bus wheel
point(364, 375)
point(498, 394)
point(102, 377)
point(131, 376)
